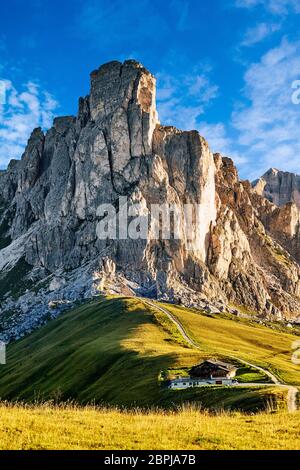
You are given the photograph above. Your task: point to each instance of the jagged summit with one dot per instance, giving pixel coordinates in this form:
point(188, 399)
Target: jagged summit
point(115, 147)
point(280, 187)
point(272, 171)
point(116, 64)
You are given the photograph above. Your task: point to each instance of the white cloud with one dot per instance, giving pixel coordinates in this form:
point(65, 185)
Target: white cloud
point(182, 99)
point(258, 33)
point(219, 141)
point(264, 128)
point(19, 115)
point(268, 127)
point(276, 7)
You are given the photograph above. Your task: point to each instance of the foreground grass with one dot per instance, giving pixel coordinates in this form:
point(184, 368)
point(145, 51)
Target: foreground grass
point(50, 427)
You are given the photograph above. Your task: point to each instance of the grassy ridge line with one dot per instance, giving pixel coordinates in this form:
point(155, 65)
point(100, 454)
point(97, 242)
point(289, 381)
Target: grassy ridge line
point(65, 428)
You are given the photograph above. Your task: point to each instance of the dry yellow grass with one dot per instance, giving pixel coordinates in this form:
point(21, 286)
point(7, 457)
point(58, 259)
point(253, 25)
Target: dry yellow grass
point(67, 427)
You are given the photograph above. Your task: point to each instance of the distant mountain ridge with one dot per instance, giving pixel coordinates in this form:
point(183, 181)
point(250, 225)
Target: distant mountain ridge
point(280, 187)
point(247, 249)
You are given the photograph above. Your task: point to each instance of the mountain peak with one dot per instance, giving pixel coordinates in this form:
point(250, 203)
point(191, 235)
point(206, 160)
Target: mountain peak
point(53, 200)
point(280, 187)
point(128, 91)
point(272, 171)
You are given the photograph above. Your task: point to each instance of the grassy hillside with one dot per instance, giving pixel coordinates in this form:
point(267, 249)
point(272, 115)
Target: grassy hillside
point(112, 351)
point(50, 427)
point(250, 341)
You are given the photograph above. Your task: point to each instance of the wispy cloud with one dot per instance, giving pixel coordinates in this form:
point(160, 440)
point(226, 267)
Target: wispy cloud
point(278, 12)
point(276, 7)
point(182, 98)
point(21, 112)
point(258, 33)
point(264, 128)
point(268, 127)
point(218, 138)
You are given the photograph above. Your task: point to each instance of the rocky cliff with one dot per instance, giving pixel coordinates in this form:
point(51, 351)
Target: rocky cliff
point(282, 218)
point(115, 152)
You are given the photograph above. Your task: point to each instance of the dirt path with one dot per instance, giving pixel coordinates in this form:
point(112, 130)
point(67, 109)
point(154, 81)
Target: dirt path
point(292, 391)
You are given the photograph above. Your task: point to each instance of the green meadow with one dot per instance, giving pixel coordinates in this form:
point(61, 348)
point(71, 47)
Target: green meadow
point(111, 351)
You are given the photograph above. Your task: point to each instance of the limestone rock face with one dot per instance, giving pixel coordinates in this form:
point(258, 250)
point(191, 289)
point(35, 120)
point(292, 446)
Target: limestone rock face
point(122, 99)
point(237, 247)
point(282, 219)
point(257, 269)
point(279, 187)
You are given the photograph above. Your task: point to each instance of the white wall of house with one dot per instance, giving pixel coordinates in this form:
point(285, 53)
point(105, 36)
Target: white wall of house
point(179, 384)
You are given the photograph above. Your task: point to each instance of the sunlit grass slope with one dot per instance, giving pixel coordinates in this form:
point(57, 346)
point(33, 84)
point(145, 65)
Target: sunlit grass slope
point(74, 428)
point(111, 351)
point(252, 342)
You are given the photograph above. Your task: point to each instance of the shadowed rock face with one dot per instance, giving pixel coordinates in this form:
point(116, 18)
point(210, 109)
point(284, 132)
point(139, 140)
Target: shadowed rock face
point(116, 147)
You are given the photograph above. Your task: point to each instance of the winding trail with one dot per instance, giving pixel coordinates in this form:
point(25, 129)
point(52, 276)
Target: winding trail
point(292, 391)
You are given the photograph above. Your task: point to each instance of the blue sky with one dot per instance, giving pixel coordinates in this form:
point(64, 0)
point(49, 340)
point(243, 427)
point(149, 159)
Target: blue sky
point(224, 67)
